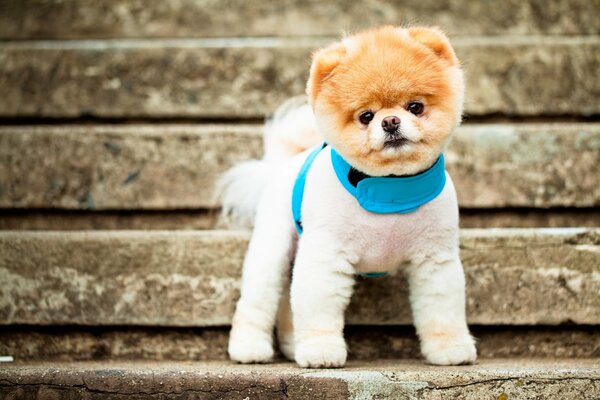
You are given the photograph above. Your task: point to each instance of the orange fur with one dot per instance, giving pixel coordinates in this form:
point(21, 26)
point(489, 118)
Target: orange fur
point(442, 334)
point(382, 70)
point(325, 60)
point(434, 39)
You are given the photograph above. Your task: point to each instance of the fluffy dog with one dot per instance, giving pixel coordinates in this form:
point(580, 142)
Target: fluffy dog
point(386, 102)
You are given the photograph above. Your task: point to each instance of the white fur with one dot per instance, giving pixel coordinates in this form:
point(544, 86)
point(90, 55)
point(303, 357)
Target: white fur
point(339, 240)
point(290, 131)
point(239, 191)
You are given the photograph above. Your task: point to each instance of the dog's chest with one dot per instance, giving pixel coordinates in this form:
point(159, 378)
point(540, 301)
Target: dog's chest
point(376, 242)
point(380, 242)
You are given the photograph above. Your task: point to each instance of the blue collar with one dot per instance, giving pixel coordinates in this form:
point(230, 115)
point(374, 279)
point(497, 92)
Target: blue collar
point(382, 195)
point(390, 194)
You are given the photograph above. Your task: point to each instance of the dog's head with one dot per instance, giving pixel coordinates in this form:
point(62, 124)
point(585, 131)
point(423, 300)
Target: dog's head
point(388, 99)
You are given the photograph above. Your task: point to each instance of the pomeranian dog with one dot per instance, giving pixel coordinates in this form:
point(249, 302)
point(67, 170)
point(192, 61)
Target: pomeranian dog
point(372, 198)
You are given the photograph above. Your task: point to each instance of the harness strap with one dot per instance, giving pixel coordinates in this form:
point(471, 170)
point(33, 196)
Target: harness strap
point(298, 196)
point(390, 194)
point(298, 191)
point(382, 195)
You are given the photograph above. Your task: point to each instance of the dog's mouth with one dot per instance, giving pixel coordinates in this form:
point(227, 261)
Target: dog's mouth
point(395, 140)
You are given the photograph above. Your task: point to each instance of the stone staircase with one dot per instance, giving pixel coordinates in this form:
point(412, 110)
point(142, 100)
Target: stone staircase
point(116, 118)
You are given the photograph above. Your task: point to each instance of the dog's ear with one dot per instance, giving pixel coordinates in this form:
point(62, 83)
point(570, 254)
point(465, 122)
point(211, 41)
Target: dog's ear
point(434, 39)
point(324, 62)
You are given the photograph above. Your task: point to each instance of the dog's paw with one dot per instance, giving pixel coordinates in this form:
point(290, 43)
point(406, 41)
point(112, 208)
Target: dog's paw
point(450, 351)
point(250, 347)
point(322, 352)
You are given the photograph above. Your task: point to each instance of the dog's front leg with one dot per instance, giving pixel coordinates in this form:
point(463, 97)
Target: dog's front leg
point(437, 297)
point(321, 288)
point(264, 275)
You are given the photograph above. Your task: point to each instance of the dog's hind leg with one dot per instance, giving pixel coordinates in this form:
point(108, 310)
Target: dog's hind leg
point(264, 275)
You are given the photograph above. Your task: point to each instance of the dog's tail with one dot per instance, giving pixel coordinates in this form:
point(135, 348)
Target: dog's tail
point(290, 131)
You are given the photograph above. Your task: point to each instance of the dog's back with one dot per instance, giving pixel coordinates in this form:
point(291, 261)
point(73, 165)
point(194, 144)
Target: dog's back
point(291, 130)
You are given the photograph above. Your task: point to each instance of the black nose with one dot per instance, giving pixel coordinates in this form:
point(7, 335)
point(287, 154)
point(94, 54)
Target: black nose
point(390, 124)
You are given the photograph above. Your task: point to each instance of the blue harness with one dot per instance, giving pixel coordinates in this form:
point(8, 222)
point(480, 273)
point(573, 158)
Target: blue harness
point(380, 195)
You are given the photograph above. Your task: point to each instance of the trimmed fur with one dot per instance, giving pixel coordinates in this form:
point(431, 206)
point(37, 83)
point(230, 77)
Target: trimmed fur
point(381, 71)
point(290, 131)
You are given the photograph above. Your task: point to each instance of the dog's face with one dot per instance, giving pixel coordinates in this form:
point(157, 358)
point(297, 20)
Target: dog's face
point(388, 99)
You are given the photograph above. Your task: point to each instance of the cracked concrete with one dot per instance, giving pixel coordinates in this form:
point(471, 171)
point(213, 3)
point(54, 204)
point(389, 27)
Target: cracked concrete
point(516, 378)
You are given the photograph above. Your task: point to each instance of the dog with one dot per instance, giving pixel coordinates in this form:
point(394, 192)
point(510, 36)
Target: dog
point(353, 183)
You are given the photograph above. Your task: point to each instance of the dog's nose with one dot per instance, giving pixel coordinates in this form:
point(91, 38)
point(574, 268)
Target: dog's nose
point(390, 124)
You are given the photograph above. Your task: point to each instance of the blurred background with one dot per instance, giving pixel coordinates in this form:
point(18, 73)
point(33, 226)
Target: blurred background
point(117, 116)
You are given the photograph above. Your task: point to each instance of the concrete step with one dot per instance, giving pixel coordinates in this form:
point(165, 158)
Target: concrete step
point(493, 379)
point(77, 220)
point(42, 19)
point(161, 167)
point(69, 343)
point(248, 77)
point(191, 278)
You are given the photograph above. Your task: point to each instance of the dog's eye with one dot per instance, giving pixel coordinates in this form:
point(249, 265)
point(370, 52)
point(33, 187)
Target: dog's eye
point(415, 107)
point(366, 117)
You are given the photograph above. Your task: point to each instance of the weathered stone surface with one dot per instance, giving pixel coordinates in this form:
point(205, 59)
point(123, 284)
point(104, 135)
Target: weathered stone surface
point(120, 166)
point(371, 342)
point(165, 381)
point(157, 167)
point(499, 379)
point(71, 19)
point(67, 220)
point(530, 218)
point(526, 165)
point(229, 78)
point(533, 276)
point(179, 278)
point(531, 76)
point(120, 277)
point(77, 220)
point(364, 342)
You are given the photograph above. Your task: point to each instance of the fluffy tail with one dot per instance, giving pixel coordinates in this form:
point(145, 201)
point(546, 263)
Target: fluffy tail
point(290, 131)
